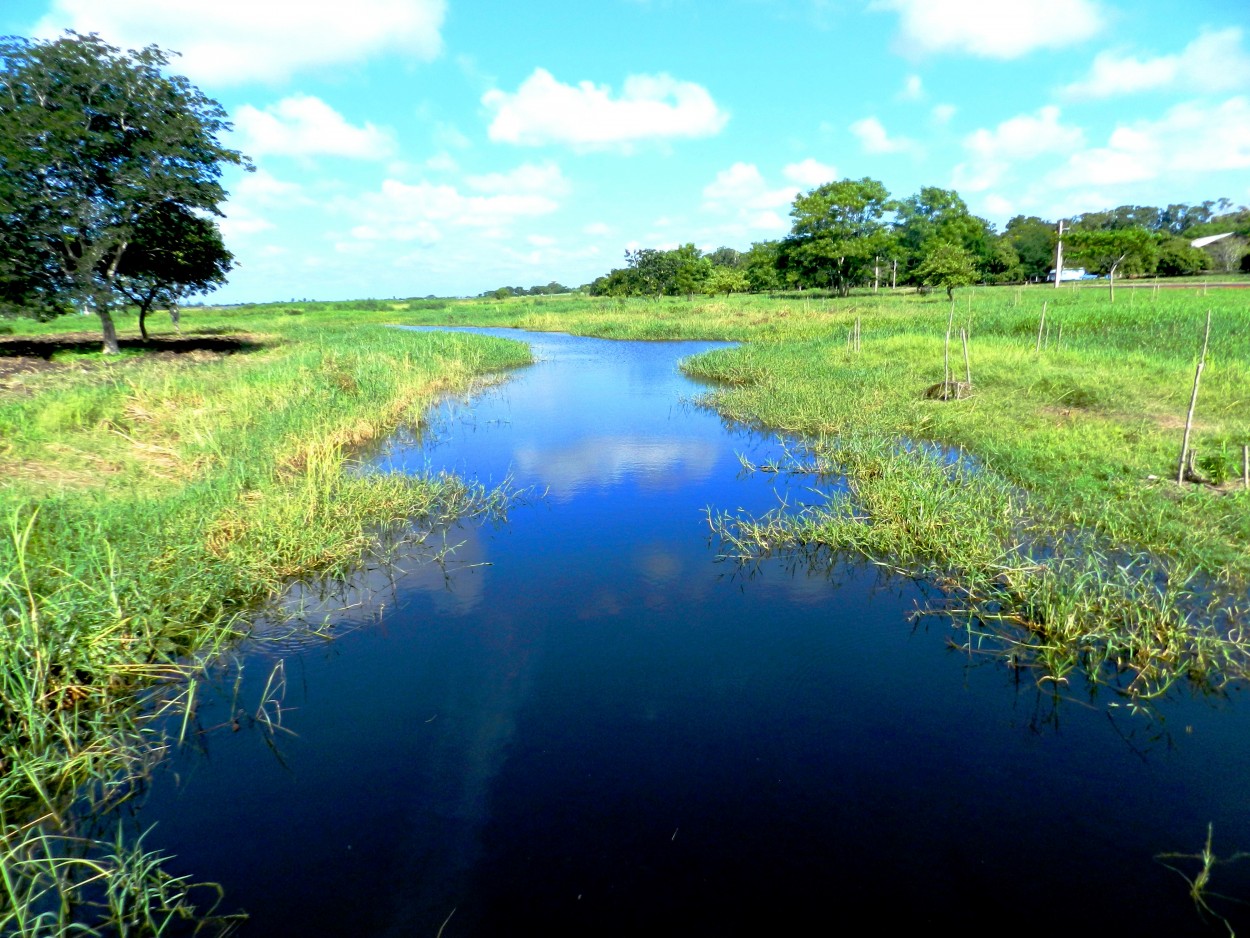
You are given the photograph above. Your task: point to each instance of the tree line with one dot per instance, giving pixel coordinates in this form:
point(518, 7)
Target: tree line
point(109, 181)
point(852, 233)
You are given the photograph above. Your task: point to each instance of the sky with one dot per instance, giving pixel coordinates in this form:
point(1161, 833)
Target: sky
point(448, 147)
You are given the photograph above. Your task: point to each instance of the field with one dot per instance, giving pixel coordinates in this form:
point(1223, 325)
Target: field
point(152, 502)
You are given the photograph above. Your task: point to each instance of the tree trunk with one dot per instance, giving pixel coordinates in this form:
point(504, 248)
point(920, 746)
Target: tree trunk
point(143, 315)
point(110, 331)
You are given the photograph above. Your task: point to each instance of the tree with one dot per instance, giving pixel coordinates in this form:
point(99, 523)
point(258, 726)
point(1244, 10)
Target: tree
point(1034, 243)
point(1106, 251)
point(947, 265)
point(760, 266)
point(838, 231)
point(725, 280)
point(1177, 258)
point(172, 254)
point(92, 141)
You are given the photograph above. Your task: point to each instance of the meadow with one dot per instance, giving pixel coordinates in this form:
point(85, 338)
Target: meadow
point(152, 504)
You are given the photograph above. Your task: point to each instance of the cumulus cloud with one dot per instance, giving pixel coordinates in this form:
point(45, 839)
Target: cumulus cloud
point(588, 116)
point(545, 179)
point(741, 194)
point(993, 152)
point(304, 126)
point(810, 173)
point(990, 28)
point(743, 185)
point(942, 113)
point(874, 139)
point(1025, 135)
point(1191, 138)
point(422, 211)
point(1213, 62)
point(236, 41)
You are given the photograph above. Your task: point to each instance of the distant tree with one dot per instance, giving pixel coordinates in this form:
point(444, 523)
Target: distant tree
point(1178, 259)
point(1110, 251)
point(760, 266)
point(1033, 240)
point(92, 140)
point(691, 270)
point(1226, 253)
point(726, 280)
point(172, 254)
point(839, 230)
point(725, 257)
point(947, 265)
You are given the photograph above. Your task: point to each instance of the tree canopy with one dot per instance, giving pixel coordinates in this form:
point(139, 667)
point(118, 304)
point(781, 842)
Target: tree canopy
point(97, 147)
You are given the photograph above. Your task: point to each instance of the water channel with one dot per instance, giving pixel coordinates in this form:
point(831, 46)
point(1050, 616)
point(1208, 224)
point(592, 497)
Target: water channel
point(585, 722)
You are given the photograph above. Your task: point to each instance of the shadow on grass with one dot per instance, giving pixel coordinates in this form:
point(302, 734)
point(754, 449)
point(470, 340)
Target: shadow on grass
point(45, 347)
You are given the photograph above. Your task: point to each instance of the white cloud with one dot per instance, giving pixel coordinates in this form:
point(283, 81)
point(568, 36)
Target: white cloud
point(236, 41)
point(598, 229)
point(990, 28)
point(992, 153)
point(302, 125)
point(913, 89)
point(423, 211)
point(545, 179)
point(587, 116)
point(742, 195)
point(810, 173)
point(241, 221)
point(741, 187)
point(1191, 138)
point(942, 113)
point(262, 188)
point(1213, 62)
point(874, 139)
point(1024, 136)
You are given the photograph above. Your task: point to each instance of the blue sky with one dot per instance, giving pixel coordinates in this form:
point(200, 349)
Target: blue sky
point(413, 147)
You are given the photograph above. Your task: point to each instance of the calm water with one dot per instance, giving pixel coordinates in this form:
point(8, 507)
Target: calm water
point(586, 724)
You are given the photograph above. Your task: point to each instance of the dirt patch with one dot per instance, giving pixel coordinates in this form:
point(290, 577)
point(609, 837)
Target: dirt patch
point(28, 354)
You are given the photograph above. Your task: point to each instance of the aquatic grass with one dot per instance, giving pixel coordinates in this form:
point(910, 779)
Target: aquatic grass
point(1062, 605)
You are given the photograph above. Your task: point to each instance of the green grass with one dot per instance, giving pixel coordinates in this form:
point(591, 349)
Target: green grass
point(150, 506)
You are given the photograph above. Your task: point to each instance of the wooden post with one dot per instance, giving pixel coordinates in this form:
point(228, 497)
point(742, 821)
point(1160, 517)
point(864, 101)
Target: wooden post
point(1193, 403)
point(950, 324)
point(1059, 256)
point(963, 334)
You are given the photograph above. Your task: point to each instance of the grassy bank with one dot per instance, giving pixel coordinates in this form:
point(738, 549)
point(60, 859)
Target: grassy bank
point(150, 502)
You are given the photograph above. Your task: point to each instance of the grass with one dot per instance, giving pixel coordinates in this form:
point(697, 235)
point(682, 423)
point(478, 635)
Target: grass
point(151, 505)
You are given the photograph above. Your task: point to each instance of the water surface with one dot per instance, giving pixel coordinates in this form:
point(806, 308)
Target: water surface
point(586, 723)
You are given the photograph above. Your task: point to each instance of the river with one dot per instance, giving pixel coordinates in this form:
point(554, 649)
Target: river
point(586, 722)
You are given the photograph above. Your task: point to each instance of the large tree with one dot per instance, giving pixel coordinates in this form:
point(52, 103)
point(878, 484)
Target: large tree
point(92, 141)
point(839, 231)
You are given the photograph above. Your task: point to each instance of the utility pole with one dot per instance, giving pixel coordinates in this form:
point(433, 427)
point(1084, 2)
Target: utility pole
point(1059, 256)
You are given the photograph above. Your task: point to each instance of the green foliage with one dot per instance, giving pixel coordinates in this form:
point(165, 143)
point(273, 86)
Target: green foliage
point(1178, 259)
point(947, 265)
point(95, 146)
point(838, 232)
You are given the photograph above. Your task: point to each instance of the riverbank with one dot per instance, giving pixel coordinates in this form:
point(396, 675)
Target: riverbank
point(152, 501)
